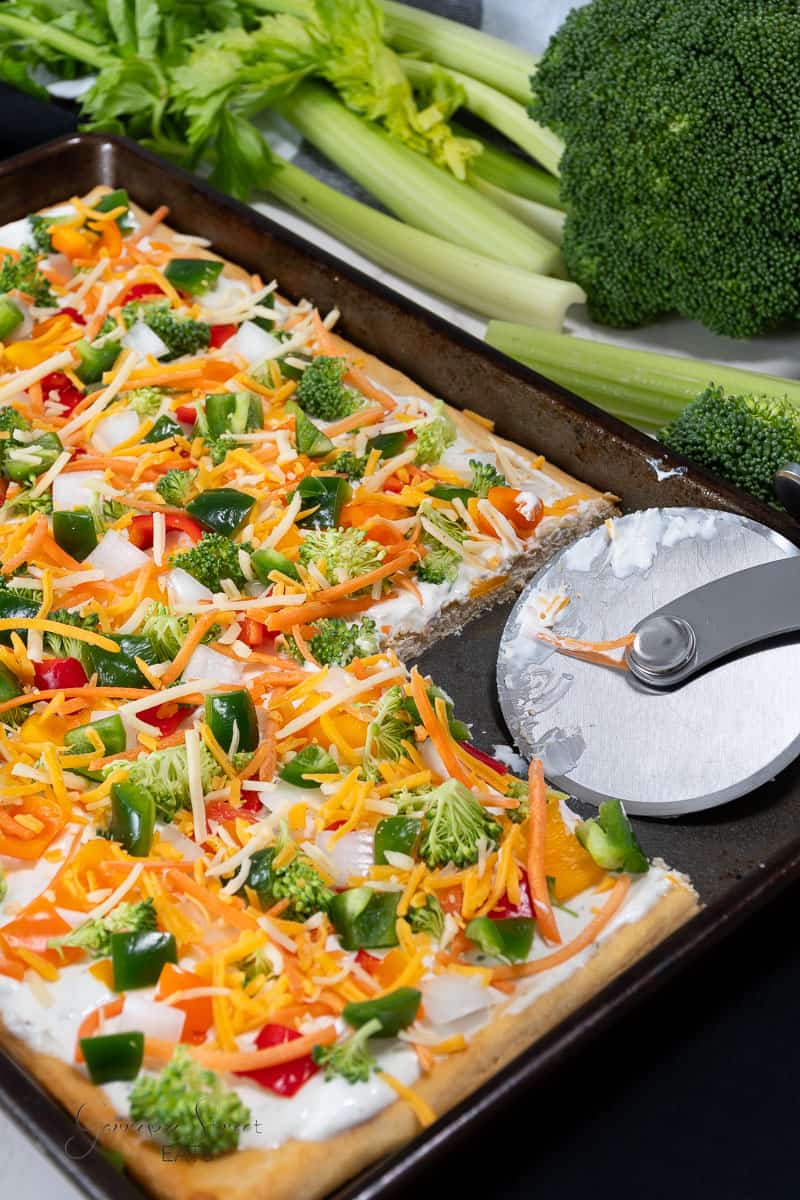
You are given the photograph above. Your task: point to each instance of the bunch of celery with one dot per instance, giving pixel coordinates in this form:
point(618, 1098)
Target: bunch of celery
point(468, 221)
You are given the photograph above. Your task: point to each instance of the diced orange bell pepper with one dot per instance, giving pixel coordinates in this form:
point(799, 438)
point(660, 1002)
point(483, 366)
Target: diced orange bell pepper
point(565, 859)
point(199, 1012)
point(71, 242)
point(506, 500)
point(43, 817)
point(34, 927)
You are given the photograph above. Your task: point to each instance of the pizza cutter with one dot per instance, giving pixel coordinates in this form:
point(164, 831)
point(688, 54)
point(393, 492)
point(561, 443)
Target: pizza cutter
point(704, 705)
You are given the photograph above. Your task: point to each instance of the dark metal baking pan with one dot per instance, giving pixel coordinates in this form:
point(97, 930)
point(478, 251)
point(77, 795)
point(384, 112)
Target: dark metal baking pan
point(739, 857)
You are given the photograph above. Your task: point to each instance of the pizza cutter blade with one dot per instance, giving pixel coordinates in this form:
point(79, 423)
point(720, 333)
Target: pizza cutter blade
point(705, 705)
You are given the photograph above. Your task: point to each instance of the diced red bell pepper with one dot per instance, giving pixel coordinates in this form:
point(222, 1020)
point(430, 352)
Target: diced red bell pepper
point(504, 908)
point(73, 313)
point(199, 1011)
point(254, 633)
point(368, 962)
point(286, 1079)
point(334, 825)
point(222, 810)
point(140, 530)
point(484, 758)
point(187, 413)
point(139, 291)
point(166, 725)
point(58, 673)
point(220, 334)
point(67, 394)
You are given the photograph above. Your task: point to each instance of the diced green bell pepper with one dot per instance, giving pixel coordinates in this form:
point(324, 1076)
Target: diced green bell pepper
point(95, 360)
point(397, 834)
point(109, 729)
point(308, 438)
point(288, 371)
point(395, 1011)
point(389, 444)
point(264, 561)
point(23, 461)
point(326, 495)
point(138, 958)
point(11, 316)
point(113, 1056)
point(113, 200)
point(226, 711)
point(13, 608)
point(75, 532)
point(223, 510)
point(120, 669)
point(192, 275)
point(133, 818)
point(510, 939)
point(232, 412)
point(449, 491)
point(165, 427)
point(365, 919)
point(10, 686)
point(610, 840)
point(311, 760)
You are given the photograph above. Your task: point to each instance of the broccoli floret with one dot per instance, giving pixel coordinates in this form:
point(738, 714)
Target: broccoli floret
point(351, 1058)
point(25, 503)
point(23, 273)
point(341, 553)
point(94, 936)
point(484, 477)
point(39, 232)
point(214, 558)
point(176, 486)
point(434, 436)
point(146, 401)
point(336, 643)
point(610, 840)
point(680, 128)
point(10, 420)
point(168, 632)
point(256, 966)
point(60, 645)
point(350, 464)
point(441, 563)
point(165, 775)
point(427, 918)
point(517, 789)
point(321, 392)
point(453, 826)
point(190, 1107)
point(386, 732)
point(744, 438)
point(181, 335)
point(298, 882)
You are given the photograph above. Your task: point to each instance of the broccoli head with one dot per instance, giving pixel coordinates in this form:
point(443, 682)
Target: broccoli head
point(23, 274)
point(40, 232)
point(145, 401)
point(167, 632)
point(434, 436)
point(484, 477)
point(350, 464)
point(341, 553)
point(181, 335)
point(321, 391)
point(746, 439)
point(61, 645)
point(441, 562)
point(427, 918)
point(680, 127)
point(165, 775)
point(298, 882)
point(214, 558)
point(176, 486)
point(350, 1058)
point(453, 826)
point(387, 731)
point(94, 936)
point(336, 643)
point(190, 1107)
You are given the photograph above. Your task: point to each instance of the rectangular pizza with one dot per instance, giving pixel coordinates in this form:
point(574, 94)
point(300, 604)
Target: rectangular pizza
point(266, 909)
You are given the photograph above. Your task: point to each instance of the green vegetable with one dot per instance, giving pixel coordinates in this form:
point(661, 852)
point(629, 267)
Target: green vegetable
point(146, 401)
point(321, 392)
point(23, 461)
point(165, 775)
point(40, 233)
point(393, 1012)
point(451, 492)
point(192, 275)
point(311, 760)
point(458, 730)
point(176, 486)
point(138, 958)
point(181, 335)
point(514, 175)
point(484, 477)
point(94, 935)
point(351, 1058)
point(441, 563)
point(109, 729)
point(396, 834)
point(61, 645)
point(24, 503)
point(746, 439)
point(336, 643)
point(308, 439)
point(23, 275)
point(133, 818)
point(165, 427)
point(610, 840)
point(214, 558)
point(325, 496)
point(95, 360)
point(386, 732)
point(349, 464)
point(341, 553)
point(222, 510)
point(11, 316)
point(298, 882)
point(510, 939)
point(113, 1056)
point(166, 632)
point(115, 199)
point(10, 688)
point(427, 918)
point(453, 825)
point(119, 669)
point(678, 147)
point(434, 436)
point(364, 919)
point(265, 561)
point(75, 532)
point(229, 712)
point(226, 413)
point(191, 1105)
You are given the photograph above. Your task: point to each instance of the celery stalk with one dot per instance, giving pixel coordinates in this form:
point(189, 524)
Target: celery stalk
point(412, 187)
point(549, 222)
point(459, 275)
point(500, 111)
point(639, 386)
point(59, 39)
point(511, 173)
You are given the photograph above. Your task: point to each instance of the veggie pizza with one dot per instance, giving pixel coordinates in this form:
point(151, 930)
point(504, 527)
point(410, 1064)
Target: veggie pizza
point(267, 910)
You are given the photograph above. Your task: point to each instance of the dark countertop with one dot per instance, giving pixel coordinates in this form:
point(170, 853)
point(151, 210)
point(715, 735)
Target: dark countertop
point(693, 1094)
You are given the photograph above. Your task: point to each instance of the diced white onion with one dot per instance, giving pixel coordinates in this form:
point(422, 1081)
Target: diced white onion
point(115, 429)
point(189, 849)
point(184, 589)
point(253, 343)
point(115, 556)
point(206, 663)
point(143, 1014)
point(78, 489)
point(350, 855)
point(144, 341)
point(449, 997)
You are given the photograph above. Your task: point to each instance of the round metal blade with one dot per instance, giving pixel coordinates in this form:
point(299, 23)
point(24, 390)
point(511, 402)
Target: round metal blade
point(716, 738)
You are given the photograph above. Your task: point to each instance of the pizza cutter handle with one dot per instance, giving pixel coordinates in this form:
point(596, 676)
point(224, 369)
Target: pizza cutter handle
point(689, 634)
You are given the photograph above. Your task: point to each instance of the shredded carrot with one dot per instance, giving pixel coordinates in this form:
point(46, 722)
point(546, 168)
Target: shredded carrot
point(314, 610)
point(388, 567)
point(434, 730)
point(27, 550)
point(244, 1060)
point(231, 912)
point(147, 226)
point(584, 939)
point(303, 646)
point(360, 419)
point(537, 879)
point(193, 640)
point(88, 690)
